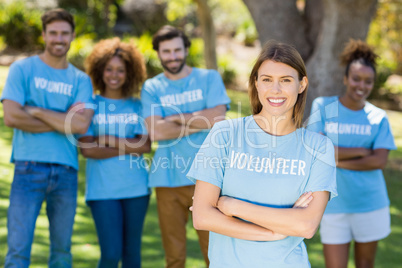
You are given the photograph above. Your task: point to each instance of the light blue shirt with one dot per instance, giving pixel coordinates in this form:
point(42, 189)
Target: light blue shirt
point(161, 96)
point(252, 165)
point(359, 191)
point(32, 82)
point(123, 176)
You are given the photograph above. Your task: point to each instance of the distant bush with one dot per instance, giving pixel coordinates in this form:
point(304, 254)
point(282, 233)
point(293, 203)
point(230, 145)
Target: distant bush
point(196, 53)
point(247, 33)
point(20, 26)
point(225, 68)
point(144, 44)
point(80, 48)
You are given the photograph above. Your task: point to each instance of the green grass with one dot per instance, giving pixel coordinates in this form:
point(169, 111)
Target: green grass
point(85, 247)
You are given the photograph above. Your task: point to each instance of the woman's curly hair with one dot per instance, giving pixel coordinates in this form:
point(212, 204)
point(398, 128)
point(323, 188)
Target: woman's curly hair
point(358, 51)
point(105, 50)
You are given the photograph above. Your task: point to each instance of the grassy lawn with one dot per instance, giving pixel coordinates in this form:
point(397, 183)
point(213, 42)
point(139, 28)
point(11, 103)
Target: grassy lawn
point(85, 248)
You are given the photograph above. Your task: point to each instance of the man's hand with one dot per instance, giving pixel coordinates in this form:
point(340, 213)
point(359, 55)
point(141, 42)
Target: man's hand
point(16, 116)
point(32, 110)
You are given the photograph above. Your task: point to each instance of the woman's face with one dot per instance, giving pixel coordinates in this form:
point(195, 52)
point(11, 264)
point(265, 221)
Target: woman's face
point(278, 87)
point(114, 74)
point(359, 82)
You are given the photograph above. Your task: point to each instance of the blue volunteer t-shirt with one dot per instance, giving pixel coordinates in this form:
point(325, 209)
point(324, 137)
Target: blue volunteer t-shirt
point(123, 176)
point(161, 96)
point(359, 191)
point(252, 165)
point(32, 82)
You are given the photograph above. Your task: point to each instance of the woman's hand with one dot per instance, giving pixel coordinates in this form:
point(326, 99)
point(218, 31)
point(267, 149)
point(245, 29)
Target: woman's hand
point(304, 200)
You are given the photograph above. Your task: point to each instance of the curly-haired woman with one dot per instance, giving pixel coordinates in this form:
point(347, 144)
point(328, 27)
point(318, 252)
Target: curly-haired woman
point(116, 177)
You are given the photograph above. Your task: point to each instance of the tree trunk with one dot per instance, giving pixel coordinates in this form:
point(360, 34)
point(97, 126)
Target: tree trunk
point(280, 20)
point(342, 20)
point(208, 33)
point(319, 33)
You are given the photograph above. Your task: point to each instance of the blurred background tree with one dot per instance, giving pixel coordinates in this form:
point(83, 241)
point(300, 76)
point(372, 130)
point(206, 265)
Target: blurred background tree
point(319, 29)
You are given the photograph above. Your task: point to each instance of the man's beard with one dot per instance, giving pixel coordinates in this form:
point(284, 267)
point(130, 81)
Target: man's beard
point(51, 48)
point(176, 70)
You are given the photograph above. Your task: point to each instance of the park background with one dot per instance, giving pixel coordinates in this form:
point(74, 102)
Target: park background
point(226, 35)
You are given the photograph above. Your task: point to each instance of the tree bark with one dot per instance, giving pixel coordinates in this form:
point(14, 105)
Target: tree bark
point(280, 20)
point(342, 20)
point(319, 33)
point(208, 33)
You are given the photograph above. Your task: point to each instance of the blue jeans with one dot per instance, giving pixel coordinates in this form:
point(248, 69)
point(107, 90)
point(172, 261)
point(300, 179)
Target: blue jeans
point(119, 226)
point(33, 183)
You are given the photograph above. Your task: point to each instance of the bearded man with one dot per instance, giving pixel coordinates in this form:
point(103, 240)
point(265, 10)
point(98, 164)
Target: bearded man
point(180, 105)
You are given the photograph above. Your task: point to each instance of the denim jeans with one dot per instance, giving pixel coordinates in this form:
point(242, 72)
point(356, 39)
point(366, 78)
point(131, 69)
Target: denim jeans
point(119, 226)
point(33, 183)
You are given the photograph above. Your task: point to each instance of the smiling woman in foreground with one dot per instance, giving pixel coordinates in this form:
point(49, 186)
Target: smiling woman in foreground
point(262, 181)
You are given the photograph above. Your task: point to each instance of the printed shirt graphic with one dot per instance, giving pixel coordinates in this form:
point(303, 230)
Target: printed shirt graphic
point(123, 176)
point(251, 165)
point(161, 96)
point(359, 191)
point(32, 82)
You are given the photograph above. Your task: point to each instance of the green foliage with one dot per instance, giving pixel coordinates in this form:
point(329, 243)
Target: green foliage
point(179, 9)
point(196, 53)
point(229, 17)
point(20, 26)
point(225, 68)
point(80, 48)
point(385, 34)
point(144, 44)
point(234, 17)
point(247, 33)
point(94, 17)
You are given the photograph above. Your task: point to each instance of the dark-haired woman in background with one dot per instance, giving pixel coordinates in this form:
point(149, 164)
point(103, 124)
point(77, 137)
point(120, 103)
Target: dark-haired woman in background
point(116, 177)
point(362, 136)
